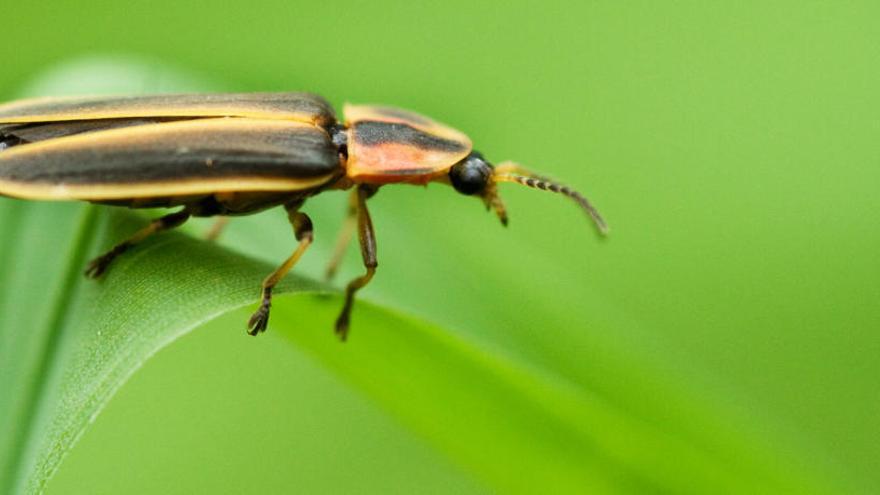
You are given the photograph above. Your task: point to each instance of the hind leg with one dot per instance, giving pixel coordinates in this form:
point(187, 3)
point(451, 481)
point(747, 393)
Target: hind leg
point(99, 265)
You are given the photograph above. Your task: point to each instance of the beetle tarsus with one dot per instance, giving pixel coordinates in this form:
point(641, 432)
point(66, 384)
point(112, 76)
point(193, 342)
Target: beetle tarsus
point(99, 265)
point(355, 285)
point(342, 323)
point(260, 319)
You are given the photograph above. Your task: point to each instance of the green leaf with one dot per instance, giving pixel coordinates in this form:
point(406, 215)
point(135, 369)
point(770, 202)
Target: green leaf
point(66, 361)
point(514, 426)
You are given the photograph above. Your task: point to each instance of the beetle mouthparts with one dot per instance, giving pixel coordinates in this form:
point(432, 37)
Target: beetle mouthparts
point(493, 202)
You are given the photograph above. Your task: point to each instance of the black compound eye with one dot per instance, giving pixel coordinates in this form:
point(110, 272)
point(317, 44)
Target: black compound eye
point(470, 175)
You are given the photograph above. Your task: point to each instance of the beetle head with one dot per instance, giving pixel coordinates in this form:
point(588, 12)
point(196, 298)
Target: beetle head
point(472, 175)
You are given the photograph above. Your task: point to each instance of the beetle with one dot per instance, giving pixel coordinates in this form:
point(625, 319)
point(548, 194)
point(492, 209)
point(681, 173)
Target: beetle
point(237, 154)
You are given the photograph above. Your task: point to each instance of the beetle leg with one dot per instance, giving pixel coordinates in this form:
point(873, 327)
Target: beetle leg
point(344, 238)
point(99, 265)
point(302, 229)
point(216, 229)
point(367, 238)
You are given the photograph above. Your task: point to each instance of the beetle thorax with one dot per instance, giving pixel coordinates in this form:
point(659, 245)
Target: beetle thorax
point(387, 145)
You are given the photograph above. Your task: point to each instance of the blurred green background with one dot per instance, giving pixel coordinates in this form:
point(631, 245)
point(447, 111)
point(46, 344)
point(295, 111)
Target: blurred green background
point(733, 149)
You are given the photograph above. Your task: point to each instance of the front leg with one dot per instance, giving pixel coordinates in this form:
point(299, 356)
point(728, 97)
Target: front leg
point(302, 229)
point(367, 238)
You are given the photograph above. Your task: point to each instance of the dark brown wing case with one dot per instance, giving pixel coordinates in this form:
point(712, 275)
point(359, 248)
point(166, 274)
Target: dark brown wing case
point(302, 107)
point(100, 148)
point(187, 157)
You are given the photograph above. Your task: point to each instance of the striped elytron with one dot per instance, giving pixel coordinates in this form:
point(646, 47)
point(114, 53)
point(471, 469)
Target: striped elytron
point(237, 154)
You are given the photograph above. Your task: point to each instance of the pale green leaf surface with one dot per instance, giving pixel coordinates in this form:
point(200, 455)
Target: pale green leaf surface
point(507, 422)
point(221, 412)
point(96, 335)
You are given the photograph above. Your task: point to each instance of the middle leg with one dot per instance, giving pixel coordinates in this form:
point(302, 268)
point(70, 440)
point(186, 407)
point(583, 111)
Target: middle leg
point(302, 229)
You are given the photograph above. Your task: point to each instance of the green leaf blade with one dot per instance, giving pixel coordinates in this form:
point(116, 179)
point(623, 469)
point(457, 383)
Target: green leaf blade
point(105, 330)
point(509, 423)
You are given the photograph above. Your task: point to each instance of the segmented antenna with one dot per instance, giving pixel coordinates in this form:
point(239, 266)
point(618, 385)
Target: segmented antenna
point(547, 185)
